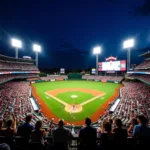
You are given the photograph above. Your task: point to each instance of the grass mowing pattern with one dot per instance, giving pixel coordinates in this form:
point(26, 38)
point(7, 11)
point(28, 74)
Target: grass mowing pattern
point(88, 109)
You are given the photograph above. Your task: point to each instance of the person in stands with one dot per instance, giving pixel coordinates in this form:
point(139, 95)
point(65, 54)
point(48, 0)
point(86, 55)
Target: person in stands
point(130, 129)
point(111, 122)
point(26, 129)
point(106, 138)
point(142, 130)
point(120, 134)
point(61, 136)
point(37, 137)
point(107, 135)
point(88, 136)
point(1, 127)
point(38, 134)
point(11, 128)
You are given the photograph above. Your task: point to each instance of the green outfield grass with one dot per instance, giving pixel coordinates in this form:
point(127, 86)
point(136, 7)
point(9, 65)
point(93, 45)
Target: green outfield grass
point(88, 109)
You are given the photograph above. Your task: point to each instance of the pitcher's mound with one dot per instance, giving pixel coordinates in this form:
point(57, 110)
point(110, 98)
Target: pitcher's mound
point(73, 108)
point(74, 96)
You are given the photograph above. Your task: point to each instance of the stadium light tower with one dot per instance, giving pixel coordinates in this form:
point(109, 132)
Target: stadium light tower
point(37, 48)
point(17, 44)
point(97, 51)
point(128, 44)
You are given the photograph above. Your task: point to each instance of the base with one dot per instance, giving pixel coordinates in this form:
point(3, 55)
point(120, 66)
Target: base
point(73, 108)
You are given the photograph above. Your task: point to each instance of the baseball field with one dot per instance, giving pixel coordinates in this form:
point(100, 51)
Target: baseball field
point(73, 101)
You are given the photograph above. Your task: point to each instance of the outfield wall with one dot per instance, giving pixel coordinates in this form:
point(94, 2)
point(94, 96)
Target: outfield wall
point(74, 76)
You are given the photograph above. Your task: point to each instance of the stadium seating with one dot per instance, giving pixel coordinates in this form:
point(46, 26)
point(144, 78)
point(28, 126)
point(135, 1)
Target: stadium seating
point(144, 65)
point(19, 66)
point(54, 77)
point(12, 68)
point(17, 101)
point(103, 78)
point(5, 78)
point(134, 100)
point(145, 78)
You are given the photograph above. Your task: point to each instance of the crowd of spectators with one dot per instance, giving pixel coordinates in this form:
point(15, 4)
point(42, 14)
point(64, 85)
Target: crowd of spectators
point(145, 78)
point(109, 135)
point(8, 77)
point(54, 77)
point(17, 101)
point(143, 65)
point(17, 66)
point(134, 101)
point(103, 78)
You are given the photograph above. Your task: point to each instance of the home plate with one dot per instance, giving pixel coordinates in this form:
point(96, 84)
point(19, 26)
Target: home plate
point(74, 96)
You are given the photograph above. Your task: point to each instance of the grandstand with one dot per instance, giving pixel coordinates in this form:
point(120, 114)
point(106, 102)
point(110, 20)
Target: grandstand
point(117, 79)
point(54, 77)
point(16, 96)
point(142, 71)
point(146, 64)
point(16, 68)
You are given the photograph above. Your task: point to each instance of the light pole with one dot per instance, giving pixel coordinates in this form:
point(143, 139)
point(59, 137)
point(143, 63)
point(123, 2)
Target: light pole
point(128, 44)
point(97, 51)
point(37, 48)
point(17, 44)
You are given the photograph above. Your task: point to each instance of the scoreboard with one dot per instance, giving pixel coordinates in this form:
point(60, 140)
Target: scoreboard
point(112, 66)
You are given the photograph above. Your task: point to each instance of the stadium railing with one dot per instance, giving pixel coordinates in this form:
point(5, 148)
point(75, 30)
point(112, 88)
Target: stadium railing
point(18, 142)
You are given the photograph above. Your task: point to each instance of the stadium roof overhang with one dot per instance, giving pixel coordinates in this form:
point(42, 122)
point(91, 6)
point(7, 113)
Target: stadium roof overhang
point(7, 58)
point(146, 55)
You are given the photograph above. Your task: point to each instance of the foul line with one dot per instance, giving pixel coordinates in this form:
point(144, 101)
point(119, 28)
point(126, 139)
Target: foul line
point(57, 99)
point(82, 104)
point(92, 99)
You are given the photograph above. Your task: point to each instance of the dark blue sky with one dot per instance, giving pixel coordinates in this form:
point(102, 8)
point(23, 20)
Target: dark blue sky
point(69, 29)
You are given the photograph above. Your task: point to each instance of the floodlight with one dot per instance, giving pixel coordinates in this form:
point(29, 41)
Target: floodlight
point(128, 43)
point(16, 43)
point(97, 50)
point(36, 48)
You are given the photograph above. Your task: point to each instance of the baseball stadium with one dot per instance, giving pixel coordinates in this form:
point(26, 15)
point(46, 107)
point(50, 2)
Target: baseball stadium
point(110, 91)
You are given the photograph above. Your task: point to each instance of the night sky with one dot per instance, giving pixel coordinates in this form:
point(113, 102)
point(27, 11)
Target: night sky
point(68, 29)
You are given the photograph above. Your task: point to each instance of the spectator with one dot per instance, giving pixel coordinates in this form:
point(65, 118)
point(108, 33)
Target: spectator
point(61, 136)
point(106, 138)
point(1, 129)
point(133, 123)
point(38, 134)
point(26, 129)
point(11, 128)
point(88, 136)
point(101, 129)
point(142, 131)
point(120, 134)
point(111, 122)
point(37, 137)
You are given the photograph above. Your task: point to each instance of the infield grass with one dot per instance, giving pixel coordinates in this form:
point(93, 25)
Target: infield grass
point(88, 109)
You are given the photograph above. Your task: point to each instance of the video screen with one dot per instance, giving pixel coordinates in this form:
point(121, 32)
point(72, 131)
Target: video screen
point(112, 66)
point(93, 70)
point(62, 70)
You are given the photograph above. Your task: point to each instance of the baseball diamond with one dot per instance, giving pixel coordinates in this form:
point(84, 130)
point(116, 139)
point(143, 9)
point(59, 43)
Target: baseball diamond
point(90, 99)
